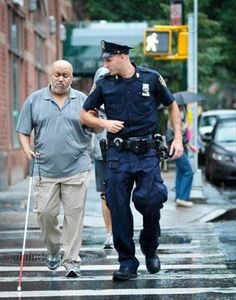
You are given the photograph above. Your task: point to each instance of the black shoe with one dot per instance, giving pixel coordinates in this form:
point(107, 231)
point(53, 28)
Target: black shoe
point(153, 264)
point(124, 273)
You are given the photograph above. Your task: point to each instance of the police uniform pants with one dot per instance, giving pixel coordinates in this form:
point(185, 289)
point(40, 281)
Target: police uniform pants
point(126, 170)
point(49, 194)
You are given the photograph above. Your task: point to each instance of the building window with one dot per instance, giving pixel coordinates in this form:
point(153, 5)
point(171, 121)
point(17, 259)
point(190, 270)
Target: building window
point(15, 52)
point(39, 17)
point(39, 59)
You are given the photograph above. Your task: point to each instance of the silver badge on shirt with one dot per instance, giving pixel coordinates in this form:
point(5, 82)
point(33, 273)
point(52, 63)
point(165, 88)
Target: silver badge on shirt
point(145, 90)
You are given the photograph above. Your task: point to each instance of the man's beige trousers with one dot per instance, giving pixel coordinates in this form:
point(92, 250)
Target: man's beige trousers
point(49, 194)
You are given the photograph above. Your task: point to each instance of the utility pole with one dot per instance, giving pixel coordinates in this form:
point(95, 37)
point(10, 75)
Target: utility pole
point(197, 186)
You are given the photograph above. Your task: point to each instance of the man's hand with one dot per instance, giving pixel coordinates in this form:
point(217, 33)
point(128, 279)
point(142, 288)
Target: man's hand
point(26, 146)
point(29, 154)
point(176, 149)
point(113, 126)
point(193, 148)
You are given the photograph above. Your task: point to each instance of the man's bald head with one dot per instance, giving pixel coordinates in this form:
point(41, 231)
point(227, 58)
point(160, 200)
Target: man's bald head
point(61, 75)
point(61, 64)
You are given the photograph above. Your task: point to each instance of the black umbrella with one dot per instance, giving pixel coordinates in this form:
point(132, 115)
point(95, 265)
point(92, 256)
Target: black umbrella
point(183, 98)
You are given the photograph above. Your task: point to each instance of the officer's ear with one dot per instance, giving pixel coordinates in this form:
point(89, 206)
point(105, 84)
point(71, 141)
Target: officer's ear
point(123, 57)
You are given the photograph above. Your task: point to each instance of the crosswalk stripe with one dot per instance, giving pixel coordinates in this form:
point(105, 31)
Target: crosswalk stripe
point(114, 267)
point(181, 247)
point(120, 292)
point(177, 255)
point(140, 256)
point(108, 278)
point(203, 259)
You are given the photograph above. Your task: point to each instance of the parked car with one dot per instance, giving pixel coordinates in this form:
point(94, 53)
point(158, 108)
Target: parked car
point(220, 155)
point(206, 123)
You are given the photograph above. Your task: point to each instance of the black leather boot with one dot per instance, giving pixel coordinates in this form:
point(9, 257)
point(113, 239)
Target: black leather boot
point(124, 273)
point(153, 264)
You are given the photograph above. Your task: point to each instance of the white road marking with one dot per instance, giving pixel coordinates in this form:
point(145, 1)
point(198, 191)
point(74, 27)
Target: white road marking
point(114, 267)
point(113, 292)
point(183, 247)
point(108, 278)
point(177, 255)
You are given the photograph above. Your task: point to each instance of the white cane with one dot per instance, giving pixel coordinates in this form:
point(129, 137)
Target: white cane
point(26, 225)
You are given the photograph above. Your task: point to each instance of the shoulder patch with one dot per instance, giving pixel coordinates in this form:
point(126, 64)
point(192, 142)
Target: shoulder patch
point(162, 81)
point(92, 88)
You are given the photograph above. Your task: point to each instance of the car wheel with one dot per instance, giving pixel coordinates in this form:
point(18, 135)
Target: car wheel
point(213, 179)
point(207, 168)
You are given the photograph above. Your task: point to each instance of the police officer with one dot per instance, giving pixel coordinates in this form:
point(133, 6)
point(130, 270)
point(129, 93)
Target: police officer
point(131, 95)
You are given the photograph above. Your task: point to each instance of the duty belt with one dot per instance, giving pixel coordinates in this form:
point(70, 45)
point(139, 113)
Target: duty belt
point(140, 144)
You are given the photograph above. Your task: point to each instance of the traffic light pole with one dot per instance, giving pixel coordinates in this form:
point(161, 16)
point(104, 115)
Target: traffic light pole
point(197, 186)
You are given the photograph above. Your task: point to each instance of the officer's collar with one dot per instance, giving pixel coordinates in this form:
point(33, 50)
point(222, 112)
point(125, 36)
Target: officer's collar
point(135, 75)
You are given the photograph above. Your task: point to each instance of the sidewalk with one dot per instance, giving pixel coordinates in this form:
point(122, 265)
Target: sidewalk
point(13, 206)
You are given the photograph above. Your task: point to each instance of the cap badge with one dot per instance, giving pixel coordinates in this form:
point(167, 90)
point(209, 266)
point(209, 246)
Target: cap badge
point(103, 44)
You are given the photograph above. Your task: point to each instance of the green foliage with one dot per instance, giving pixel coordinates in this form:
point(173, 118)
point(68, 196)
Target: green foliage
point(216, 37)
point(222, 58)
point(127, 10)
point(211, 43)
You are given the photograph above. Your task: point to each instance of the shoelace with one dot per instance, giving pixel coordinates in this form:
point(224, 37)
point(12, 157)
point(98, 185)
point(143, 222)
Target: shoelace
point(53, 257)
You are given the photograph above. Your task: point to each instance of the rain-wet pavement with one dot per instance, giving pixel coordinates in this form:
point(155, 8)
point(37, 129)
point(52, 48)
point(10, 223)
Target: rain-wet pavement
point(198, 258)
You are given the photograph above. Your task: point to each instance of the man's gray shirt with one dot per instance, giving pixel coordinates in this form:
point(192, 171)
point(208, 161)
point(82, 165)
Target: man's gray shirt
point(60, 139)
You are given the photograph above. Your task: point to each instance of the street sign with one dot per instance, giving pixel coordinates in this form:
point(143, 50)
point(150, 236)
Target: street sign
point(176, 14)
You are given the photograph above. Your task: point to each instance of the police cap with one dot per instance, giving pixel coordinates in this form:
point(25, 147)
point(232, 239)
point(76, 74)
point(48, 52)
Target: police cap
point(110, 49)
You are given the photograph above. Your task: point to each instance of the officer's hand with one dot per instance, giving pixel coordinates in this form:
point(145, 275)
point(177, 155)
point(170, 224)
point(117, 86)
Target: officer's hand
point(176, 149)
point(113, 126)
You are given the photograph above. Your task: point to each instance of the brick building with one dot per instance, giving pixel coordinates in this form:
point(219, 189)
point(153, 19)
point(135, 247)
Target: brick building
point(31, 35)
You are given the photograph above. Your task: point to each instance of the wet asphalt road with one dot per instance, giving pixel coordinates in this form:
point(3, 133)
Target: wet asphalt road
point(194, 266)
point(198, 259)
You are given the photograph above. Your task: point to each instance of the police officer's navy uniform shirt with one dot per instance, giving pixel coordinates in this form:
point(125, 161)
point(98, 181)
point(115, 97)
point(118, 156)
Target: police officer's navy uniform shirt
point(133, 100)
point(58, 136)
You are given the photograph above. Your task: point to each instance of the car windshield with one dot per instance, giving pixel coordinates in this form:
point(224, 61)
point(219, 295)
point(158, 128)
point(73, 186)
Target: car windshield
point(208, 121)
point(226, 132)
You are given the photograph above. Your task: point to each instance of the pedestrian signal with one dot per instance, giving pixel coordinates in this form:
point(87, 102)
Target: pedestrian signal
point(158, 42)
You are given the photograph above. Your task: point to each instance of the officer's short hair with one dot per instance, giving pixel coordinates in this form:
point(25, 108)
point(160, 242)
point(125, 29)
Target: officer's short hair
point(110, 49)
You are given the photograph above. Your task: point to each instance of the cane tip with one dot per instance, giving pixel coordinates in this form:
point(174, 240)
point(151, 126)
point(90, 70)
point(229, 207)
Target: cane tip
point(19, 288)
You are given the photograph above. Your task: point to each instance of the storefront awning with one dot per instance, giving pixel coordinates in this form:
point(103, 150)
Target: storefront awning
point(82, 45)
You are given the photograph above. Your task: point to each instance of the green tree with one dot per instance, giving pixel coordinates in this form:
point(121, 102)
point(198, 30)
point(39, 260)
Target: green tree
point(125, 10)
point(216, 36)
